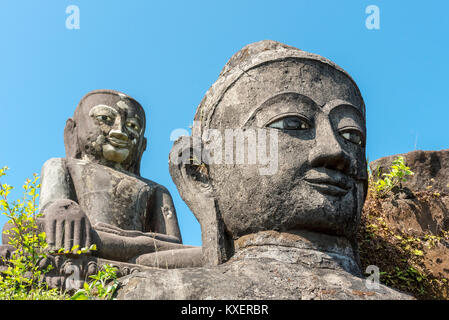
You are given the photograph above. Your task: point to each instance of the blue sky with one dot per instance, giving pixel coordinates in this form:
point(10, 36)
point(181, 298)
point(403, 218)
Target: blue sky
point(166, 54)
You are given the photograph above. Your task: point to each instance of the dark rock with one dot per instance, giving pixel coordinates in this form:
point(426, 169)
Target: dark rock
point(431, 169)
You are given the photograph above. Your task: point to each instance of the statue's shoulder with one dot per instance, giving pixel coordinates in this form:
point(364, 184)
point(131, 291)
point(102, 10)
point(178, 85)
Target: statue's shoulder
point(54, 163)
point(76, 162)
point(153, 185)
point(54, 167)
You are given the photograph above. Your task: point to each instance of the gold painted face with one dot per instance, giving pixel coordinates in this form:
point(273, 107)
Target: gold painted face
point(110, 130)
point(122, 129)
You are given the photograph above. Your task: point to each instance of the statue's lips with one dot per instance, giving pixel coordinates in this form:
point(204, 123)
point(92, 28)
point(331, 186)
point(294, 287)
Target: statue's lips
point(118, 143)
point(328, 181)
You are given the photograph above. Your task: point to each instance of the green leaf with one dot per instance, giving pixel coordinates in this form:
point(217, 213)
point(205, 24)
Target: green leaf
point(81, 294)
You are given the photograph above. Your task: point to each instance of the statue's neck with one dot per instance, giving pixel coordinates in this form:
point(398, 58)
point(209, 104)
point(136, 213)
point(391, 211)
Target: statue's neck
point(110, 164)
point(314, 250)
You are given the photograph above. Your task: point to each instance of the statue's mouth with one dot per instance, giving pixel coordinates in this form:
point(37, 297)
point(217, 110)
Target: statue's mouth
point(118, 143)
point(328, 181)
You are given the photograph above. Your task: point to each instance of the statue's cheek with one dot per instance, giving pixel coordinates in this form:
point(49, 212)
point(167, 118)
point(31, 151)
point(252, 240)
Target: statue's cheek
point(99, 143)
point(92, 143)
point(105, 129)
point(359, 166)
point(293, 152)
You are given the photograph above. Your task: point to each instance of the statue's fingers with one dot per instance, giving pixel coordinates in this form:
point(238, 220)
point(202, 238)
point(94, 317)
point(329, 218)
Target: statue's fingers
point(78, 234)
point(59, 234)
point(68, 234)
point(88, 235)
point(50, 232)
point(41, 222)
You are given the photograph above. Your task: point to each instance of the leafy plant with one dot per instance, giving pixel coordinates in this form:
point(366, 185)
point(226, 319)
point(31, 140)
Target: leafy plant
point(75, 250)
point(23, 277)
point(400, 254)
point(99, 288)
point(398, 173)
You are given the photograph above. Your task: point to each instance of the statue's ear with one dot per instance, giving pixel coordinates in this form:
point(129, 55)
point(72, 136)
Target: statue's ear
point(144, 146)
point(191, 177)
point(72, 148)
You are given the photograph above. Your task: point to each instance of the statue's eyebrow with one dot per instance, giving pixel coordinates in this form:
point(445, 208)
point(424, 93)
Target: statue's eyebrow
point(102, 107)
point(273, 99)
point(136, 116)
point(331, 105)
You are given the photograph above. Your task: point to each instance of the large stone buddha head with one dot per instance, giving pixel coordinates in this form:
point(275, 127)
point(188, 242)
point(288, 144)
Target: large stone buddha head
point(107, 128)
point(313, 113)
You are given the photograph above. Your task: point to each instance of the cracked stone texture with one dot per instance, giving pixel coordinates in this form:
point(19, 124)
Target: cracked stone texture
point(259, 271)
point(288, 234)
point(96, 194)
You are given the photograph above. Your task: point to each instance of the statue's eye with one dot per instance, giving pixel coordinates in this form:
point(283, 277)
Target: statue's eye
point(353, 136)
point(290, 123)
point(104, 118)
point(133, 126)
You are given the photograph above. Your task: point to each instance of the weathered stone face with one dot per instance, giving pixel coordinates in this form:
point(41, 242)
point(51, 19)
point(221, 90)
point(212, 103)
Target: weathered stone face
point(110, 130)
point(321, 175)
point(286, 233)
point(96, 194)
point(296, 114)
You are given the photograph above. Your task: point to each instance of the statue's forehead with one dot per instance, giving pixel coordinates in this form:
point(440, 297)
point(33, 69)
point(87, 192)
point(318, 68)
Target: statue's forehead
point(319, 82)
point(119, 102)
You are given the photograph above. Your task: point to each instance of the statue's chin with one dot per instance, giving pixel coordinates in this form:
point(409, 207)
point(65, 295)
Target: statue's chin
point(115, 154)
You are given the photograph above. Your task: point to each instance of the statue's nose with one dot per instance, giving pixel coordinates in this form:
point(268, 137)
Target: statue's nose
point(328, 152)
point(118, 134)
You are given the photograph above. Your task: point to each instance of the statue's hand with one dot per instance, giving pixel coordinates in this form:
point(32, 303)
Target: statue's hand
point(66, 225)
point(108, 228)
point(104, 227)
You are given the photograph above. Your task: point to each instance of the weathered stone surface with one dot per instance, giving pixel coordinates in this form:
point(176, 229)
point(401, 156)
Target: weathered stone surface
point(436, 259)
point(265, 267)
point(96, 194)
point(431, 169)
point(407, 240)
point(318, 172)
point(419, 215)
point(282, 228)
point(421, 208)
point(70, 271)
